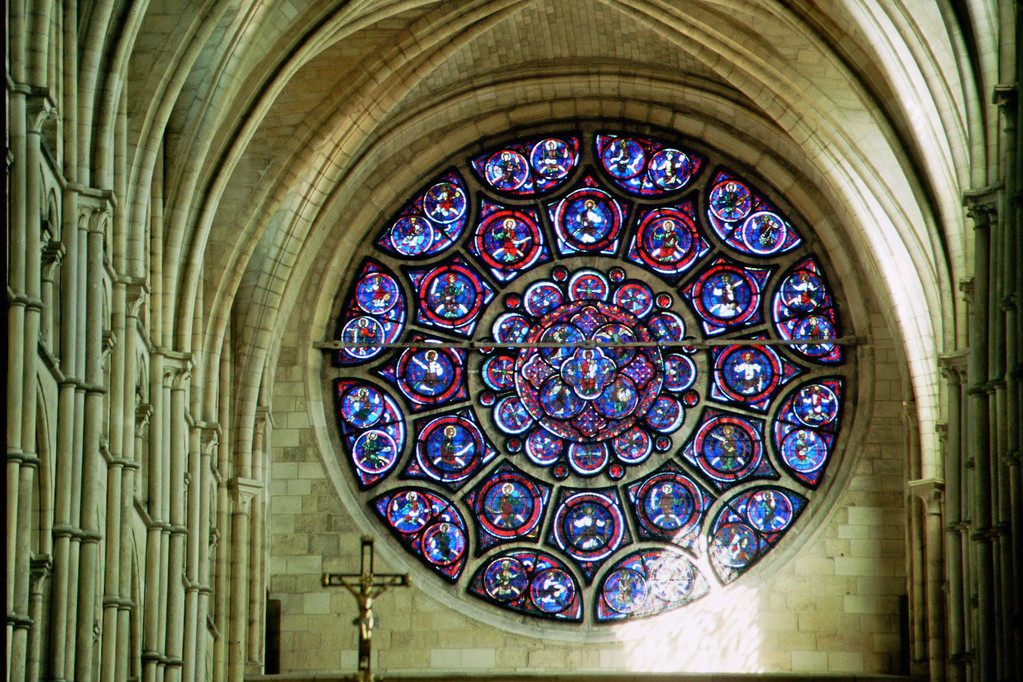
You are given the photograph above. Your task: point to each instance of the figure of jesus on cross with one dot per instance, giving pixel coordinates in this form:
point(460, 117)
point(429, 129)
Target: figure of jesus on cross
point(365, 587)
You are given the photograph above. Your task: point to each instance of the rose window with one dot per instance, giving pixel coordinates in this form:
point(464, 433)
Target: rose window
point(589, 377)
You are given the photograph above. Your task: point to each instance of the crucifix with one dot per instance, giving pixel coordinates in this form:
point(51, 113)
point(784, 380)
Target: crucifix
point(365, 587)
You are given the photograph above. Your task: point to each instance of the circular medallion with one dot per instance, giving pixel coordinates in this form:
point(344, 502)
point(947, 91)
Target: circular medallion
point(449, 445)
point(505, 579)
point(727, 448)
point(374, 451)
point(804, 450)
point(363, 406)
point(551, 158)
point(636, 298)
point(734, 545)
point(625, 590)
point(408, 512)
point(588, 219)
point(764, 233)
point(552, 590)
point(507, 240)
point(508, 506)
point(769, 511)
point(730, 200)
point(746, 373)
point(671, 503)
point(376, 293)
point(411, 235)
point(802, 292)
point(669, 169)
point(507, 170)
point(443, 543)
point(452, 297)
point(589, 527)
point(541, 298)
point(444, 202)
point(623, 158)
point(727, 295)
point(363, 330)
point(816, 405)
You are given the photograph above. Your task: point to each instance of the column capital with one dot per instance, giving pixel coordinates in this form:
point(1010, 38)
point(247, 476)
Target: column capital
point(52, 254)
point(953, 366)
point(982, 205)
point(243, 490)
point(143, 411)
point(931, 492)
point(39, 106)
point(39, 567)
point(264, 416)
point(109, 341)
point(209, 438)
point(177, 369)
point(136, 289)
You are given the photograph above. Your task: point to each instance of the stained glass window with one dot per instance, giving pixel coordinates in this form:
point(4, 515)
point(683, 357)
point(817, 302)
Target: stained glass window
point(589, 377)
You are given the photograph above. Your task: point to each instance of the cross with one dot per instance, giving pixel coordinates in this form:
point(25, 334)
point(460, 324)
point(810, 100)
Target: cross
point(365, 587)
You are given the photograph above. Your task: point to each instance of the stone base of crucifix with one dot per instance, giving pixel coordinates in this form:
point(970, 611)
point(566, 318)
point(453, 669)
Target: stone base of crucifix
point(365, 587)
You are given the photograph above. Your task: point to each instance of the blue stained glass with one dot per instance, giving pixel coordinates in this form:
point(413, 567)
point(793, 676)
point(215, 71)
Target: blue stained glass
point(669, 505)
point(428, 376)
point(432, 221)
point(803, 309)
point(588, 526)
point(509, 506)
point(429, 526)
point(632, 446)
point(552, 159)
point(748, 525)
point(542, 297)
point(750, 375)
point(587, 459)
point(728, 449)
point(530, 582)
point(668, 242)
point(588, 285)
point(648, 582)
point(451, 296)
point(511, 328)
point(726, 296)
point(746, 221)
point(499, 372)
point(644, 166)
point(667, 327)
point(804, 431)
point(542, 448)
point(375, 315)
point(552, 590)
point(588, 220)
point(592, 386)
point(679, 373)
point(529, 168)
point(587, 373)
point(374, 430)
point(635, 297)
point(508, 241)
point(449, 449)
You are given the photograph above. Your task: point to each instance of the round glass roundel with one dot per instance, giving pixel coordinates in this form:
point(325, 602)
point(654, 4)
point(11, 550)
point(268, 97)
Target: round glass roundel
point(588, 377)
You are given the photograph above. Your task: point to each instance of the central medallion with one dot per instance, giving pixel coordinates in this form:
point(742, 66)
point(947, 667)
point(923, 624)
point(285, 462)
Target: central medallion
point(589, 379)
